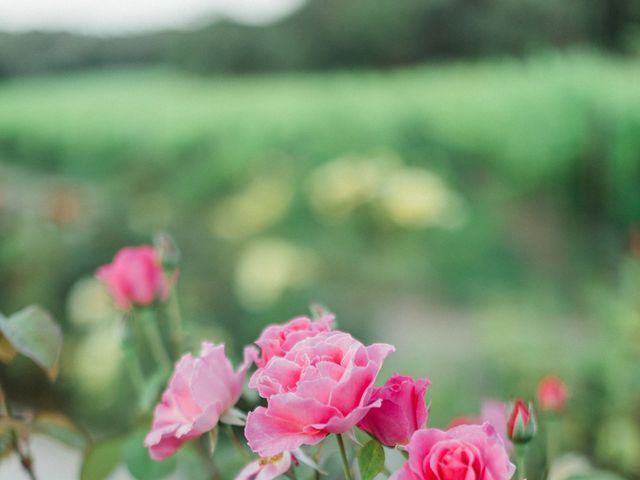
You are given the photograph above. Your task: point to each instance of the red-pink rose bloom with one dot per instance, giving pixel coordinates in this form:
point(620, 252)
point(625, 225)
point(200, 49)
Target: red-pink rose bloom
point(322, 385)
point(277, 340)
point(200, 391)
point(466, 452)
point(403, 410)
point(552, 394)
point(135, 277)
point(266, 468)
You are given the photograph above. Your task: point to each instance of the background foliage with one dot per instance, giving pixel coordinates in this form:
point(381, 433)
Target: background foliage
point(480, 211)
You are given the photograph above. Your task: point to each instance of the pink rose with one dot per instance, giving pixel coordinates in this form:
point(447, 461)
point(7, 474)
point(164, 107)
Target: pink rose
point(276, 340)
point(493, 412)
point(461, 453)
point(135, 277)
point(403, 410)
point(322, 385)
point(266, 468)
point(200, 391)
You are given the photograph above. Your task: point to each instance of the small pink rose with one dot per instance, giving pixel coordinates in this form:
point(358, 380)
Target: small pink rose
point(277, 340)
point(200, 391)
point(402, 412)
point(322, 385)
point(461, 453)
point(266, 468)
point(552, 394)
point(135, 277)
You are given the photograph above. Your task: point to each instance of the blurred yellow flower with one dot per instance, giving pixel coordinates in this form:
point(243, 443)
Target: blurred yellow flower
point(97, 359)
point(268, 267)
point(89, 303)
point(337, 187)
point(416, 198)
point(261, 204)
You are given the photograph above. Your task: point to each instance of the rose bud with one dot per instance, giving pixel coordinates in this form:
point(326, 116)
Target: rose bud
point(521, 426)
point(403, 410)
point(135, 277)
point(552, 394)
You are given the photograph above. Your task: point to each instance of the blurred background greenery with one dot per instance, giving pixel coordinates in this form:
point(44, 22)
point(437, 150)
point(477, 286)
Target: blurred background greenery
point(459, 178)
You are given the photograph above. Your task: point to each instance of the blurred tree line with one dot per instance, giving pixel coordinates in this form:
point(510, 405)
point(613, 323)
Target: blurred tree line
point(326, 34)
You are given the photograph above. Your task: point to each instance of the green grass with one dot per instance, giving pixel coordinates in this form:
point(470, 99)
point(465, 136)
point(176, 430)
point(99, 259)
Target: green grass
point(529, 119)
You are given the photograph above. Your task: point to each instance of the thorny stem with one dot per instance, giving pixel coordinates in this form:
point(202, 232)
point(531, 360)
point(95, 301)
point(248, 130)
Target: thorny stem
point(204, 450)
point(175, 318)
point(150, 325)
point(317, 459)
point(25, 458)
point(343, 457)
point(551, 438)
point(134, 369)
point(521, 456)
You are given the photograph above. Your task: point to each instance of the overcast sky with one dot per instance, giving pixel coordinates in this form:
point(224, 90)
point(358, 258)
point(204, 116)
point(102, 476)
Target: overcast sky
point(123, 16)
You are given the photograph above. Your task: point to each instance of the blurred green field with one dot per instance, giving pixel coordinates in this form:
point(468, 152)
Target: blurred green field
point(535, 161)
point(532, 120)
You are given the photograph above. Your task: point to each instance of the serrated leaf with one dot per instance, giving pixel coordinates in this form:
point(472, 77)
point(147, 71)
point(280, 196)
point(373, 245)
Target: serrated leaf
point(61, 428)
point(101, 459)
point(140, 464)
point(371, 460)
point(33, 333)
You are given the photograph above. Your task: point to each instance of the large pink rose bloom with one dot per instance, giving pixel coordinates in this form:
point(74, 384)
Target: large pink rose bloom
point(135, 277)
point(403, 410)
point(200, 391)
point(277, 340)
point(466, 452)
point(322, 385)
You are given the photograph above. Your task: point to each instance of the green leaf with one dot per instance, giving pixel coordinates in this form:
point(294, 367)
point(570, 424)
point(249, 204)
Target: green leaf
point(61, 428)
point(140, 464)
point(7, 351)
point(33, 333)
point(101, 459)
point(371, 460)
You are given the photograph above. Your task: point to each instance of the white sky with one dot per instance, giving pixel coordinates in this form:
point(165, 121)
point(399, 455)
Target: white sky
point(123, 16)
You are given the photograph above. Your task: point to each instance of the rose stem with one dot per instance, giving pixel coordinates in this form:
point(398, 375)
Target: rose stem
point(521, 455)
point(343, 457)
point(150, 325)
point(236, 442)
point(175, 317)
point(25, 458)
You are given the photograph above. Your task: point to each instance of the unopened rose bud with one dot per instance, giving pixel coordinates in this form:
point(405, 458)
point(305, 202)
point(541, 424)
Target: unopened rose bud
point(521, 426)
point(552, 394)
point(168, 251)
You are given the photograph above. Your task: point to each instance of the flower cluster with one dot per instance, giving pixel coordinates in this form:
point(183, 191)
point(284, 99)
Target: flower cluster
point(314, 381)
point(318, 381)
